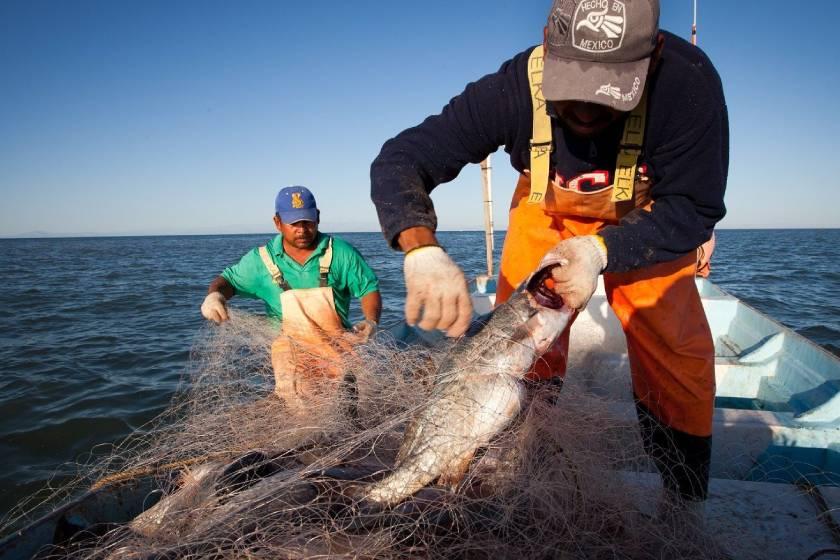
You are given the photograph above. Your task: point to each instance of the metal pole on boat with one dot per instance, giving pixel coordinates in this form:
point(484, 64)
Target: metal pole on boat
point(488, 214)
point(694, 26)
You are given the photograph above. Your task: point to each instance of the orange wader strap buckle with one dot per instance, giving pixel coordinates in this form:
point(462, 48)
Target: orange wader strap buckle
point(629, 151)
point(541, 140)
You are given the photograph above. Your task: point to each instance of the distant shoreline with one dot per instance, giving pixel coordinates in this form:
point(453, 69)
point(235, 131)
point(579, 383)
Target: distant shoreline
point(127, 235)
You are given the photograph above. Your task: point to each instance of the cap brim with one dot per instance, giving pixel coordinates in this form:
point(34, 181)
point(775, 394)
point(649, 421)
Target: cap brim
point(304, 215)
point(615, 84)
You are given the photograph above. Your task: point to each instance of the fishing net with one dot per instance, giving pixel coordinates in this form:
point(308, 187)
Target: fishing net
point(230, 472)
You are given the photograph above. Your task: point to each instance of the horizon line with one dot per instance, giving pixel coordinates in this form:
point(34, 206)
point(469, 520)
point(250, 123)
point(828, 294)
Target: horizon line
point(46, 235)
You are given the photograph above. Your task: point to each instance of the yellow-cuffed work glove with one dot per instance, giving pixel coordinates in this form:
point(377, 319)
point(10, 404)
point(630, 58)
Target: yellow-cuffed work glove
point(578, 261)
point(436, 291)
point(214, 308)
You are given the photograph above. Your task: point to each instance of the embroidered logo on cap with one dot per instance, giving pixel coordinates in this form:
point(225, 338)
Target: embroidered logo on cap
point(609, 89)
point(297, 201)
point(615, 92)
point(598, 26)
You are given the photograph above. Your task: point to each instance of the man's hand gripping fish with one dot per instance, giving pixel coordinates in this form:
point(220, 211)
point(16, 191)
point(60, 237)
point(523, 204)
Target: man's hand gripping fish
point(478, 391)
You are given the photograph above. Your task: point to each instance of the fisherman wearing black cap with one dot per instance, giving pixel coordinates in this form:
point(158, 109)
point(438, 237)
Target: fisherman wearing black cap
point(620, 134)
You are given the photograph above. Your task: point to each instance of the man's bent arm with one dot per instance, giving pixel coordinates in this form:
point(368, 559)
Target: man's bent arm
point(371, 305)
point(219, 284)
point(471, 126)
point(689, 161)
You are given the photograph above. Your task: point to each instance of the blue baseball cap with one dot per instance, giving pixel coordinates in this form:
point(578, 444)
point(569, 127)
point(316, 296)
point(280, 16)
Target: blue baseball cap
point(296, 204)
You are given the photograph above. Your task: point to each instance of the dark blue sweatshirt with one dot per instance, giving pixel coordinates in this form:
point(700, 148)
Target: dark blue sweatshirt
point(686, 151)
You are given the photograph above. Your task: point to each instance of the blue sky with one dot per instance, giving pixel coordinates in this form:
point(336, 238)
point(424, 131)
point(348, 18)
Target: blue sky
point(186, 117)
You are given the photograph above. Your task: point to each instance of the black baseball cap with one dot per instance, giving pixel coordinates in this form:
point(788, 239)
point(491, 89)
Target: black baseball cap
point(599, 51)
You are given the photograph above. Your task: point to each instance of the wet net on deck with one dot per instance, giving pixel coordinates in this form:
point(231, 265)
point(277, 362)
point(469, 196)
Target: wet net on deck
point(235, 474)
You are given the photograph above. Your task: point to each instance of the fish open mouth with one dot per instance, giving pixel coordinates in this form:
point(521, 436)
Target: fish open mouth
point(541, 292)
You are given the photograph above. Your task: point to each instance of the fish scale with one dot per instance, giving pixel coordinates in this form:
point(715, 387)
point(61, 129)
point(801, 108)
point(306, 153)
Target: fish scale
point(478, 393)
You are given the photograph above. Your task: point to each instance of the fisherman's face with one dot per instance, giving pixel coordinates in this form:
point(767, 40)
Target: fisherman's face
point(586, 120)
point(300, 235)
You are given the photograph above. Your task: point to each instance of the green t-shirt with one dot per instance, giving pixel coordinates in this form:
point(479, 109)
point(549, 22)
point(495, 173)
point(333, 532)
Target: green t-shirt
point(349, 275)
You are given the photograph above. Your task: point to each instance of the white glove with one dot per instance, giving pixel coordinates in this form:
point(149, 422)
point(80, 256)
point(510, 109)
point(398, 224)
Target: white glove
point(435, 285)
point(578, 261)
point(214, 308)
point(365, 329)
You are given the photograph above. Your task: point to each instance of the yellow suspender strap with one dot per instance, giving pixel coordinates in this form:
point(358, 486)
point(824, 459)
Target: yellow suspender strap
point(273, 269)
point(324, 264)
point(541, 139)
point(629, 151)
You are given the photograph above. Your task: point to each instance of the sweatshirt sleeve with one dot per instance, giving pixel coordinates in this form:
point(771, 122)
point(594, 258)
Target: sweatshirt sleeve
point(689, 163)
point(469, 128)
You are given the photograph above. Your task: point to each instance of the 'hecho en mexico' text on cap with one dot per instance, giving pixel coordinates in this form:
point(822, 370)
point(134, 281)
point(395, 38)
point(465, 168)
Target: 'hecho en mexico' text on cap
point(599, 51)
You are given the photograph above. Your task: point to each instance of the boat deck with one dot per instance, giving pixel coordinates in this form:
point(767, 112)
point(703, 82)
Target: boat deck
point(765, 520)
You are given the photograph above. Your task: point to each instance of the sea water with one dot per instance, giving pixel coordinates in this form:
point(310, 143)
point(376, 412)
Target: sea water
point(95, 333)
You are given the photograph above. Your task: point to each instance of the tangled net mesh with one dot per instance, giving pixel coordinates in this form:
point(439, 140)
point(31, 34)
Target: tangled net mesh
point(240, 476)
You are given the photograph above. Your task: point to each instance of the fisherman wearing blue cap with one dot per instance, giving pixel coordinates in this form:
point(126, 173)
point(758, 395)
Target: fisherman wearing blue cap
point(307, 279)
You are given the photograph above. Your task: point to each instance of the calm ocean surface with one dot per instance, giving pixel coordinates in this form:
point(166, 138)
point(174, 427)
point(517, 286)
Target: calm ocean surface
point(96, 332)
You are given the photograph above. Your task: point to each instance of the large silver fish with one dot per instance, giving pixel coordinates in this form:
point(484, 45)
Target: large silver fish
point(478, 392)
